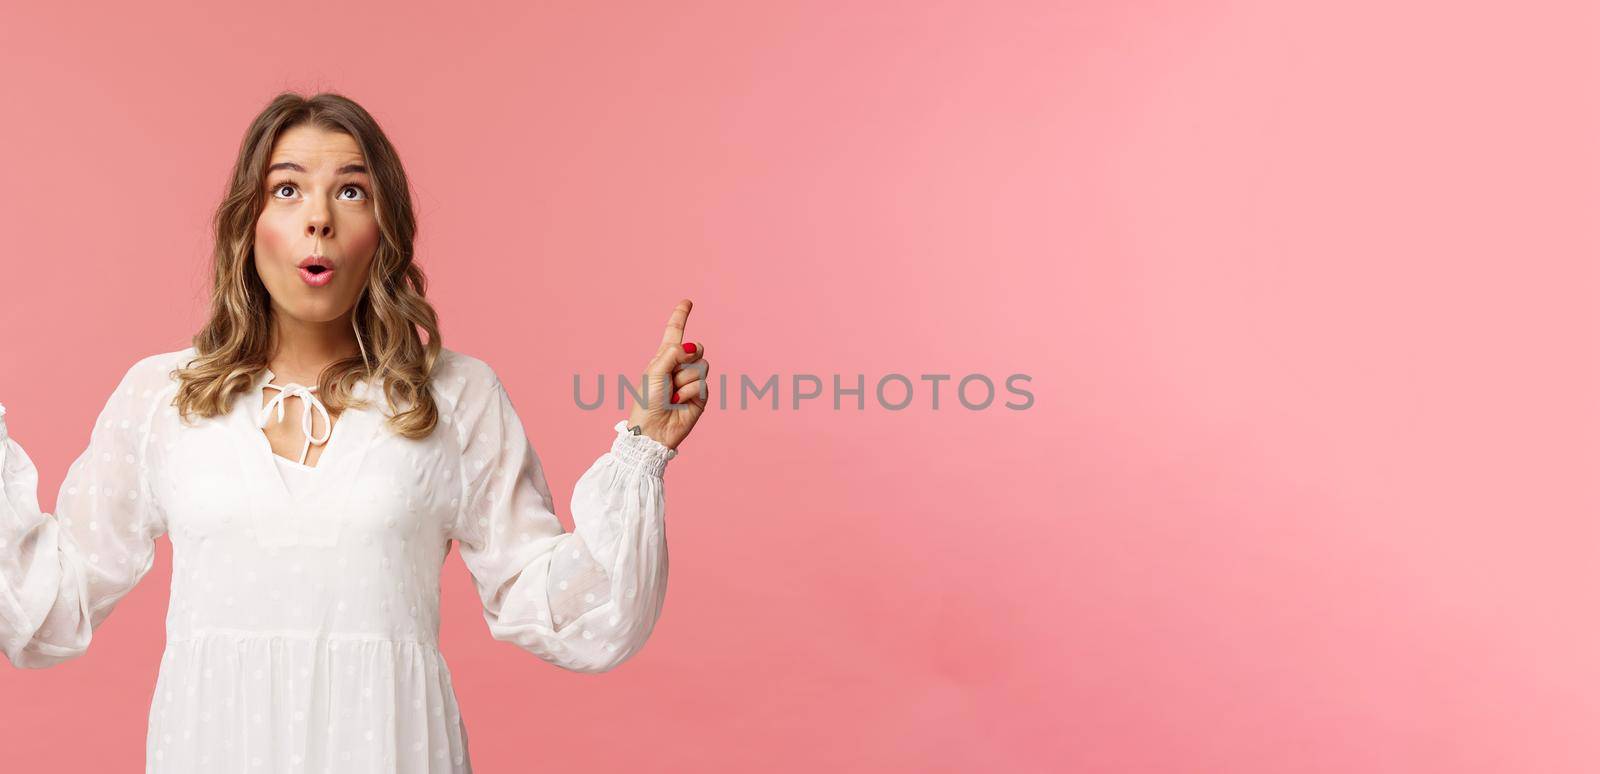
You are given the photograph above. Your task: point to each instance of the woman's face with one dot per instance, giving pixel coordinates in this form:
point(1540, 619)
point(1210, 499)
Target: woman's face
point(318, 204)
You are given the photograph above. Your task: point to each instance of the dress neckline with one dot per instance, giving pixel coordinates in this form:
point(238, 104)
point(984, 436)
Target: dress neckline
point(333, 441)
point(310, 514)
point(289, 464)
point(310, 406)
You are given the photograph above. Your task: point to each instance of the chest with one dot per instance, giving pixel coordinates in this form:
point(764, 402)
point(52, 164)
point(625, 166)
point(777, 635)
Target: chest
point(291, 439)
point(218, 479)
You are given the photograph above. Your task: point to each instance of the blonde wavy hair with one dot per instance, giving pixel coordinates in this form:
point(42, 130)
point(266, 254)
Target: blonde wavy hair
point(234, 346)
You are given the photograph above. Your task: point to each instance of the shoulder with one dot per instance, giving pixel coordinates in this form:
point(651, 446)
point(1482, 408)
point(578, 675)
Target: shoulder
point(149, 374)
point(466, 385)
point(459, 369)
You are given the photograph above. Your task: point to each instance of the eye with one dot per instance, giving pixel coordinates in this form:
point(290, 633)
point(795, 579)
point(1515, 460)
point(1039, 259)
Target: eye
point(358, 189)
point(279, 188)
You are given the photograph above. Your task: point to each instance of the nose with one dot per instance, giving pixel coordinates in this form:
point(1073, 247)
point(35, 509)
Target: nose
point(318, 221)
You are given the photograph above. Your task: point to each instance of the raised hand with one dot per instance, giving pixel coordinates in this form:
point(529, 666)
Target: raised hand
point(674, 384)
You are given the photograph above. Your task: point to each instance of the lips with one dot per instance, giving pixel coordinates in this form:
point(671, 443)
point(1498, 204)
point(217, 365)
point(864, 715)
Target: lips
point(316, 279)
point(316, 270)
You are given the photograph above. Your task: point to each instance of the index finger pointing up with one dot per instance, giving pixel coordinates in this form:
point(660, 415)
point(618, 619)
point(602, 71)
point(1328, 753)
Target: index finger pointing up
point(675, 323)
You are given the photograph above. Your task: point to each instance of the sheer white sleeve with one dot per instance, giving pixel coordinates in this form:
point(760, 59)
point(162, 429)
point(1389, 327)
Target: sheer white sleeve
point(61, 575)
point(585, 600)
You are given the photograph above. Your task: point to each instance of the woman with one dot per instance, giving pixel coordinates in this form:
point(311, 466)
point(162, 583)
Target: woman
point(303, 625)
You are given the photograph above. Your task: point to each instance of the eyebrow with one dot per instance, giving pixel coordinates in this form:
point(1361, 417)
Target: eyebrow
point(348, 168)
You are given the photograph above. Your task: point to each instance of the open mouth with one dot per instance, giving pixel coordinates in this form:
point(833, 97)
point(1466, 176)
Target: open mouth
point(316, 275)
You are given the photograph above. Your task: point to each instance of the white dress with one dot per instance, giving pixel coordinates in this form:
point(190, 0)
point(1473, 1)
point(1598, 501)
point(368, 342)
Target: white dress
point(303, 624)
point(296, 476)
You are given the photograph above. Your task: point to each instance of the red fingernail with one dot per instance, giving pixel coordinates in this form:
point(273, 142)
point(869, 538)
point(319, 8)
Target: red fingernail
point(674, 396)
point(689, 348)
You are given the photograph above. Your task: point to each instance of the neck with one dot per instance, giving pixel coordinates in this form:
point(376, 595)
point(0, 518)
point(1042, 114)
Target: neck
point(302, 348)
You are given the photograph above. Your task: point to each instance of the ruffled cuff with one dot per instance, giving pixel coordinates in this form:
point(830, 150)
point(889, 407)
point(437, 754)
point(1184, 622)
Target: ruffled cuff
point(640, 452)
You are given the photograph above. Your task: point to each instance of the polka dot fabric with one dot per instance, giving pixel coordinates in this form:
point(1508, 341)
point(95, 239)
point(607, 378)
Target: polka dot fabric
point(303, 627)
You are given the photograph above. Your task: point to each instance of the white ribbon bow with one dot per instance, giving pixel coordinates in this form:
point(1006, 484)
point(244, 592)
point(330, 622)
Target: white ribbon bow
point(308, 402)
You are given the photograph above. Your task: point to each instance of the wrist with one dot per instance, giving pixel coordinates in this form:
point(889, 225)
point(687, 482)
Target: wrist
point(640, 451)
point(655, 431)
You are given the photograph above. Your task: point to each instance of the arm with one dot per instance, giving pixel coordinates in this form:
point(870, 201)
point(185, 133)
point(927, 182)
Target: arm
point(586, 600)
point(61, 576)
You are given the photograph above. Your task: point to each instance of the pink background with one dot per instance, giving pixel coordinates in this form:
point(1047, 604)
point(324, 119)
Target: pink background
point(1306, 294)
